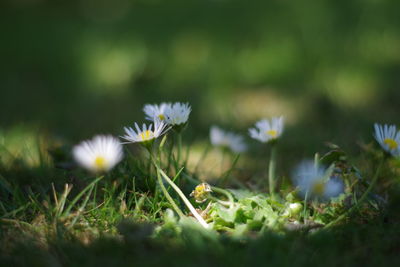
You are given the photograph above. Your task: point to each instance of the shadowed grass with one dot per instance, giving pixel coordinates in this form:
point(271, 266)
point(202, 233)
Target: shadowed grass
point(68, 217)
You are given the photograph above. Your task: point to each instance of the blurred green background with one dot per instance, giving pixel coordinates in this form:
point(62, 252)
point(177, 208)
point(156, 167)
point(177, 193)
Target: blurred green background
point(79, 67)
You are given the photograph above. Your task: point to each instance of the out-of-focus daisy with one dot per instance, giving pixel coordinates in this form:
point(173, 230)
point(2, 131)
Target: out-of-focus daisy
point(177, 113)
point(316, 181)
point(389, 138)
point(266, 130)
point(156, 111)
point(146, 134)
point(100, 154)
point(219, 137)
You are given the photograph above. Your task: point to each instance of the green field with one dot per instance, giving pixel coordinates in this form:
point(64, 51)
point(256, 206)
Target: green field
point(70, 71)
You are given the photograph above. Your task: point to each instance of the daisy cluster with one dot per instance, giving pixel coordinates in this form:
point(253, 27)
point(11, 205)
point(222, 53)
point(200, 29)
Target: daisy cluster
point(103, 152)
point(170, 113)
point(265, 131)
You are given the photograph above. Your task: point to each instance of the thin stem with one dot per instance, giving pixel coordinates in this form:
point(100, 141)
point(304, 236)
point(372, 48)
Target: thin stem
point(174, 179)
point(82, 207)
point(362, 198)
point(183, 197)
point(75, 200)
point(187, 155)
point(305, 207)
point(165, 191)
point(224, 192)
point(271, 171)
point(213, 188)
point(178, 157)
point(168, 196)
point(222, 202)
point(159, 155)
point(170, 153)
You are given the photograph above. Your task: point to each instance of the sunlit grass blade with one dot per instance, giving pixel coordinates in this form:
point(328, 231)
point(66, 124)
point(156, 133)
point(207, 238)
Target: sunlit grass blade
point(183, 197)
point(14, 212)
point(82, 207)
point(79, 196)
point(63, 199)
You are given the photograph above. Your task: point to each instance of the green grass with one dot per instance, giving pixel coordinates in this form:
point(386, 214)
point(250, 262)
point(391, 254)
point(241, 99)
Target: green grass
point(54, 213)
point(85, 67)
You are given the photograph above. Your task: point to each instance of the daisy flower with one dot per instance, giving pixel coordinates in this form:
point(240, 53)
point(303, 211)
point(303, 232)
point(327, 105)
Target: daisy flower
point(146, 134)
point(156, 111)
point(389, 138)
point(266, 131)
point(177, 113)
point(316, 181)
point(100, 154)
point(219, 137)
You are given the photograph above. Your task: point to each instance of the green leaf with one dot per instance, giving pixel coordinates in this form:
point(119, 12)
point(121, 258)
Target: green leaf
point(241, 193)
point(227, 214)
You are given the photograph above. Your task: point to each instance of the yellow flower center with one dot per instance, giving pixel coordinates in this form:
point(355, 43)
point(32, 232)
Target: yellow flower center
point(392, 144)
point(272, 133)
point(146, 135)
point(161, 117)
point(100, 163)
point(201, 192)
point(318, 188)
point(201, 188)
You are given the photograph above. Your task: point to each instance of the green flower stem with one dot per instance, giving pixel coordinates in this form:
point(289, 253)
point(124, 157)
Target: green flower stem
point(271, 171)
point(362, 198)
point(213, 188)
point(159, 155)
point(148, 145)
point(183, 197)
point(225, 203)
point(178, 157)
point(224, 192)
point(165, 191)
point(305, 207)
point(168, 196)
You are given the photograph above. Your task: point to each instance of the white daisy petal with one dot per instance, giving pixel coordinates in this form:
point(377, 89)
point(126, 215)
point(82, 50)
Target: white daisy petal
point(153, 112)
point(388, 138)
point(266, 131)
point(333, 188)
point(311, 179)
point(177, 113)
point(147, 133)
point(234, 142)
point(101, 153)
point(169, 113)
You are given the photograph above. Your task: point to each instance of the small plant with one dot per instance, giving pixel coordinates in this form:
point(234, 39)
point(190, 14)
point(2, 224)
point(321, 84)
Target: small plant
point(157, 185)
